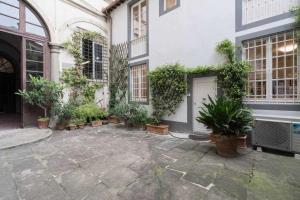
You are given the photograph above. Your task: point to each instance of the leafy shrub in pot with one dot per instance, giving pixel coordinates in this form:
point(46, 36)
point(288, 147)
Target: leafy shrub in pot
point(133, 114)
point(42, 93)
point(91, 112)
point(228, 120)
point(65, 112)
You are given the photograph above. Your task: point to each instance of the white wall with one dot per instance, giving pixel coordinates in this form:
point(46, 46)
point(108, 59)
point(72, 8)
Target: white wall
point(63, 17)
point(187, 35)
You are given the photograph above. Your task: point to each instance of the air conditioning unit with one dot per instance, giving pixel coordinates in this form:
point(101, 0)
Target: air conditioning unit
point(280, 131)
point(273, 134)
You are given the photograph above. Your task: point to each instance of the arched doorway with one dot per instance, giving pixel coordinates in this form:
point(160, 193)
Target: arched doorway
point(22, 29)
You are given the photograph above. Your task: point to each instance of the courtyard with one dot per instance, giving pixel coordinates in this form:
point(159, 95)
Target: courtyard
point(112, 162)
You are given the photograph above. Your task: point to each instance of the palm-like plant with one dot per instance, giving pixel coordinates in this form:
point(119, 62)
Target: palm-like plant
point(225, 117)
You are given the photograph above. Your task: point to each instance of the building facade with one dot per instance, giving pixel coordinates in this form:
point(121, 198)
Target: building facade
point(168, 31)
point(31, 36)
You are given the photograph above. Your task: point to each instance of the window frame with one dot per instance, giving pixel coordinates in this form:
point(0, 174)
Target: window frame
point(130, 80)
point(163, 8)
point(138, 4)
point(93, 78)
point(295, 99)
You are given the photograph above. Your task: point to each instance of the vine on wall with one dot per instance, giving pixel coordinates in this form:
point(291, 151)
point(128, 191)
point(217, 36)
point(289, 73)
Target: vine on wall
point(82, 89)
point(296, 25)
point(118, 74)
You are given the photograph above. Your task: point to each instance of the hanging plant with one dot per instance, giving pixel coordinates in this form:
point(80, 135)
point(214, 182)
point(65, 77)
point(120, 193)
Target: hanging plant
point(168, 87)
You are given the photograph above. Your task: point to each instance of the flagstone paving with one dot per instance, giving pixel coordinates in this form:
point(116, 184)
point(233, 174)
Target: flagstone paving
point(113, 163)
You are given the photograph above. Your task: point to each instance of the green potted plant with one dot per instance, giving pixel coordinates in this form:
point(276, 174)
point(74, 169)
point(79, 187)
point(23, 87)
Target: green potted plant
point(72, 124)
point(42, 93)
point(168, 87)
point(64, 113)
point(228, 120)
point(133, 114)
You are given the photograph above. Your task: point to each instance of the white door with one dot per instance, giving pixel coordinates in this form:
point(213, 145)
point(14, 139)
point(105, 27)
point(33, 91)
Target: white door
point(202, 87)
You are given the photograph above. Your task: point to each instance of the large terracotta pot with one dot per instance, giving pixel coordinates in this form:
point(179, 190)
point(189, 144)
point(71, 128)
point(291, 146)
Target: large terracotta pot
point(96, 123)
point(242, 141)
point(227, 146)
point(43, 123)
point(160, 129)
point(60, 126)
point(113, 120)
point(213, 137)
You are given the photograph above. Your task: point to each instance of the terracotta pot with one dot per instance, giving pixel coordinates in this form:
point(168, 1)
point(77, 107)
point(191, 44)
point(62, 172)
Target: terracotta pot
point(96, 123)
point(160, 129)
point(213, 138)
point(242, 141)
point(113, 120)
point(80, 126)
point(60, 126)
point(43, 123)
point(227, 146)
point(72, 127)
point(105, 122)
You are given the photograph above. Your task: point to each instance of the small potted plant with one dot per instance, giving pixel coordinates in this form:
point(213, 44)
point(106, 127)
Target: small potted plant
point(155, 126)
point(72, 124)
point(228, 120)
point(44, 94)
point(64, 112)
point(95, 122)
point(80, 123)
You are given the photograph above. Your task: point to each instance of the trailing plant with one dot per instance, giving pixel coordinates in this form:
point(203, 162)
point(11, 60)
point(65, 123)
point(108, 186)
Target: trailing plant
point(225, 117)
point(118, 73)
point(42, 93)
point(132, 114)
point(204, 70)
point(168, 86)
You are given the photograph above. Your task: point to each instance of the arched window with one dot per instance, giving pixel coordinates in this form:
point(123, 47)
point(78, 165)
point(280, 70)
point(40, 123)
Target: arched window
point(18, 16)
point(6, 66)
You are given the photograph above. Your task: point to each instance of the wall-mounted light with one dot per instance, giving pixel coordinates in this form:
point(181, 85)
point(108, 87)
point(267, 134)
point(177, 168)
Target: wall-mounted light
point(288, 48)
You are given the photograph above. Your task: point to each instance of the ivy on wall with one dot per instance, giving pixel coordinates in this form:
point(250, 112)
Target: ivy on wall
point(118, 73)
point(168, 86)
point(74, 46)
point(82, 89)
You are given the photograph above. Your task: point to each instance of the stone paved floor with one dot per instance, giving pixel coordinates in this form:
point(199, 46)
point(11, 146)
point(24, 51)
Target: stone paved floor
point(110, 163)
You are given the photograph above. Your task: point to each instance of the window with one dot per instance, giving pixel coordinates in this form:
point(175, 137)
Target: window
point(139, 20)
point(92, 56)
point(168, 5)
point(9, 13)
point(139, 83)
point(34, 59)
point(274, 68)
point(33, 24)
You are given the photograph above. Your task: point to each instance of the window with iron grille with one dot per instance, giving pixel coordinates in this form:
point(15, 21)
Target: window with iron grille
point(139, 83)
point(274, 74)
point(92, 56)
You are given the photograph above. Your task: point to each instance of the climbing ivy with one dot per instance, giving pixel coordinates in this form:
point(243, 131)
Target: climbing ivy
point(168, 86)
point(73, 46)
point(233, 75)
point(82, 89)
point(118, 73)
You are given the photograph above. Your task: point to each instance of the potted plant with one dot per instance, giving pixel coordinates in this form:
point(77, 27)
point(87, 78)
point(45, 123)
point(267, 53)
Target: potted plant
point(64, 112)
point(133, 114)
point(42, 93)
point(168, 87)
point(72, 124)
point(228, 119)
